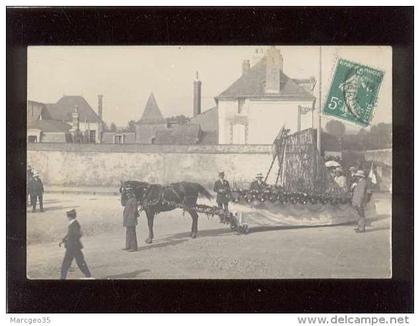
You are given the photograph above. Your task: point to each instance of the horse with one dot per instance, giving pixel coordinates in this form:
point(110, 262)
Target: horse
point(156, 198)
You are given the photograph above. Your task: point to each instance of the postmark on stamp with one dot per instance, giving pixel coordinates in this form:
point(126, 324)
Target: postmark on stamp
point(353, 92)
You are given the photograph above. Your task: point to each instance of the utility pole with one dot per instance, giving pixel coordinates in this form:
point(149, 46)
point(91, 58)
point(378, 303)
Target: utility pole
point(318, 136)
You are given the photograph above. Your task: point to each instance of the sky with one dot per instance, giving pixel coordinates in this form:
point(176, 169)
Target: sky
point(126, 75)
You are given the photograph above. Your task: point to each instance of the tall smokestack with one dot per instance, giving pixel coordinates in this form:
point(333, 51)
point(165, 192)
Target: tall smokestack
point(246, 66)
point(197, 96)
point(100, 97)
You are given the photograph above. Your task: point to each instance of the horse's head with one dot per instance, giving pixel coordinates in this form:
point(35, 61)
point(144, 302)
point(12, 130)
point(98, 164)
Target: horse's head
point(136, 187)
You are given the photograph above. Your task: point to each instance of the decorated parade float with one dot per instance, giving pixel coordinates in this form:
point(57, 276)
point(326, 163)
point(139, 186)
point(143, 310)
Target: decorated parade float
point(304, 192)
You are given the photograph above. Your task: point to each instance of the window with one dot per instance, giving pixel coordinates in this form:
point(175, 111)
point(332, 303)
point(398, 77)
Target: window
point(119, 139)
point(241, 103)
point(92, 136)
point(32, 139)
point(238, 134)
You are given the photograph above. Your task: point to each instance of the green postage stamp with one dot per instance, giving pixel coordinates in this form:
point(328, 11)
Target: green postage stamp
point(353, 92)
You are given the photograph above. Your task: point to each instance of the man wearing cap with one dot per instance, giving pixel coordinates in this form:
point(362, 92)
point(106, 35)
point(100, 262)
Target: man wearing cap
point(130, 215)
point(358, 200)
point(258, 184)
point(37, 191)
point(73, 247)
point(222, 188)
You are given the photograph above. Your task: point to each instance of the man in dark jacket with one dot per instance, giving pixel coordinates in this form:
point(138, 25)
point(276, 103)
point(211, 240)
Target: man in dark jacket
point(29, 176)
point(359, 200)
point(130, 215)
point(258, 184)
point(222, 188)
point(37, 191)
point(73, 247)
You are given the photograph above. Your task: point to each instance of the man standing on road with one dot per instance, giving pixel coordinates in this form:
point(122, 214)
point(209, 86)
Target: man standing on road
point(37, 191)
point(73, 247)
point(358, 200)
point(130, 215)
point(222, 188)
point(258, 184)
point(29, 176)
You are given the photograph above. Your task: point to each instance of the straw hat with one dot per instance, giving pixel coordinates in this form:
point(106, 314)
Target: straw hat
point(360, 173)
point(259, 176)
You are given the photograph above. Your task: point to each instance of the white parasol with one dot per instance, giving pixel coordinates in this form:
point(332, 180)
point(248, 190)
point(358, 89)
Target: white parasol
point(332, 164)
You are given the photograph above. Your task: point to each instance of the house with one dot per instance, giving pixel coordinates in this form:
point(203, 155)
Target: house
point(71, 108)
point(261, 101)
point(209, 125)
point(153, 128)
point(48, 131)
point(150, 122)
point(71, 114)
point(118, 137)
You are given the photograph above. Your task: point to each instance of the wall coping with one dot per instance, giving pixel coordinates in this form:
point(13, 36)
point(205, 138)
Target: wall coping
point(142, 148)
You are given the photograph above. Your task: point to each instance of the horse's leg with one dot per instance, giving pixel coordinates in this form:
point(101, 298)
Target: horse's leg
point(194, 227)
point(150, 217)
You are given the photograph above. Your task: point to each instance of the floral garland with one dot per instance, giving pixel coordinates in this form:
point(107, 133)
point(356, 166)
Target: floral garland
point(282, 197)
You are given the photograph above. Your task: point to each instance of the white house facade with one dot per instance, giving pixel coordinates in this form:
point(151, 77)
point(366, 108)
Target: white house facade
point(255, 107)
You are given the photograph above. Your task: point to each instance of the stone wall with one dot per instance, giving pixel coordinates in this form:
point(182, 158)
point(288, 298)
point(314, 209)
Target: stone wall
point(107, 164)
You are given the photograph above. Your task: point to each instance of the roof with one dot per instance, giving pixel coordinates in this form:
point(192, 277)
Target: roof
point(151, 113)
point(179, 135)
point(252, 84)
point(208, 120)
point(49, 126)
point(36, 111)
point(146, 133)
point(63, 109)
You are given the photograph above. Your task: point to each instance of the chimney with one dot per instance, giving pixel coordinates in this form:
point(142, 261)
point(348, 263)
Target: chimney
point(245, 66)
point(75, 115)
point(197, 96)
point(100, 97)
point(274, 65)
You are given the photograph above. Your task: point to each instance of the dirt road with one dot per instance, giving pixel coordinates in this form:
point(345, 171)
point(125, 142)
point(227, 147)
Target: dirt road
point(316, 252)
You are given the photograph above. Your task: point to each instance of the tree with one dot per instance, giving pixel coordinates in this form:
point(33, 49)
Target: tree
point(112, 127)
point(336, 128)
point(179, 119)
point(131, 126)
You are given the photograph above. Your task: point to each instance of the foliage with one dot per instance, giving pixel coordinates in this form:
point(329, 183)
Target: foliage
point(378, 137)
point(335, 128)
point(131, 126)
point(112, 127)
point(178, 119)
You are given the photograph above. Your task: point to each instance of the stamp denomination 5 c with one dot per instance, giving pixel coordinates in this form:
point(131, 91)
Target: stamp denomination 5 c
point(353, 92)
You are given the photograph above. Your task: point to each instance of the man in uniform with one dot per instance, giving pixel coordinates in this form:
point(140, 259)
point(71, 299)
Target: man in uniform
point(258, 184)
point(222, 188)
point(73, 247)
point(37, 191)
point(358, 200)
point(130, 215)
point(29, 176)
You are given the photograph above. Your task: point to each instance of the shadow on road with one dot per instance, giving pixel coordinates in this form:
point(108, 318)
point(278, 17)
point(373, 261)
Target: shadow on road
point(127, 275)
point(201, 234)
point(54, 208)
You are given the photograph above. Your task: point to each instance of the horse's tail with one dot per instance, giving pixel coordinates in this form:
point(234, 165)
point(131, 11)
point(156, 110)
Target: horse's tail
point(203, 191)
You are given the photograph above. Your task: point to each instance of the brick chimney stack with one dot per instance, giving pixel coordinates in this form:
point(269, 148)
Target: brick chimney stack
point(100, 97)
point(197, 96)
point(274, 61)
point(246, 66)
